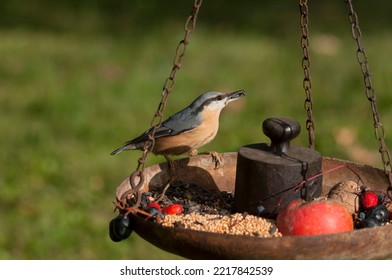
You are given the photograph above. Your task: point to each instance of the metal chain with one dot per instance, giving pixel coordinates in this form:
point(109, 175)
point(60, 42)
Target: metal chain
point(307, 82)
point(156, 121)
point(369, 89)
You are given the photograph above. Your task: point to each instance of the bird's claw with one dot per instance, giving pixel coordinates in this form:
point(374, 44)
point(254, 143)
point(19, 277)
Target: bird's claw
point(216, 159)
point(172, 166)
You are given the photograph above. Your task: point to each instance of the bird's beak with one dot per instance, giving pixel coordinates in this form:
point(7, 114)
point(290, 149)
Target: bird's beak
point(235, 95)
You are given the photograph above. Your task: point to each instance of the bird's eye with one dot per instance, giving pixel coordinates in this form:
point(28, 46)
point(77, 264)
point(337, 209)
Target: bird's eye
point(220, 97)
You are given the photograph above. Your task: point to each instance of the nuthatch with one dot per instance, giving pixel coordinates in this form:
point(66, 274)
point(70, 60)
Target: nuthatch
point(188, 129)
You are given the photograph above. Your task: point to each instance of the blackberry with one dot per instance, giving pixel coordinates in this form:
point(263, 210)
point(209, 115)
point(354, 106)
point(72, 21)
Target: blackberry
point(154, 212)
point(379, 213)
point(362, 216)
point(260, 209)
point(120, 228)
point(381, 198)
point(370, 222)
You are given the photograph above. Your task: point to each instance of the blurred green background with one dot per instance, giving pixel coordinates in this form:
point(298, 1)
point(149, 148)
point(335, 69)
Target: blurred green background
point(78, 78)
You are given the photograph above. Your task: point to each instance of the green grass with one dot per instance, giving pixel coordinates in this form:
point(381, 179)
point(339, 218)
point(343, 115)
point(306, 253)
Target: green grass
point(68, 99)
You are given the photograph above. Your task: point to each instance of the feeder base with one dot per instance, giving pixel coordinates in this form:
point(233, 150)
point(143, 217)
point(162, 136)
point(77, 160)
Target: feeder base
point(205, 245)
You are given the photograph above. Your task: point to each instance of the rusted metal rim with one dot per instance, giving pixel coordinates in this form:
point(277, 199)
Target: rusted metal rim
point(204, 245)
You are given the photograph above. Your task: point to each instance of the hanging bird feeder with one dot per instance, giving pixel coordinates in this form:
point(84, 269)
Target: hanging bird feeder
point(259, 181)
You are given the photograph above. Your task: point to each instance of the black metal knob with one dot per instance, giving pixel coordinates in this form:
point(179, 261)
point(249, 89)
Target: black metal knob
point(281, 131)
point(267, 173)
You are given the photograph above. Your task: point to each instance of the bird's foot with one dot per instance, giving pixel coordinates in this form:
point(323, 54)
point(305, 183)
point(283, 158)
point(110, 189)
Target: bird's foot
point(172, 176)
point(172, 166)
point(216, 158)
point(193, 153)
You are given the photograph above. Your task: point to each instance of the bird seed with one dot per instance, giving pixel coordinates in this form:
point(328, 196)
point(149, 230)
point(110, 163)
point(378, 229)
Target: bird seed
point(209, 210)
point(237, 224)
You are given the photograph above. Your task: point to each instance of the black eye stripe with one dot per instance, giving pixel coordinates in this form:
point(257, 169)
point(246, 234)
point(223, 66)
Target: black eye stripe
point(216, 98)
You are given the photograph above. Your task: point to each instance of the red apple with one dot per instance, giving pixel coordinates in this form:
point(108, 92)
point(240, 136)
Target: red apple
point(315, 217)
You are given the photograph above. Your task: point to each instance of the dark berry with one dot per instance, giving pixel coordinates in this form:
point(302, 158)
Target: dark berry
point(145, 199)
point(379, 213)
point(120, 228)
point(362, 216)
point(381, 198)
point(112, 231)
point(260, 209)
point(370, 222)
point(154, 212)
point(272, 230)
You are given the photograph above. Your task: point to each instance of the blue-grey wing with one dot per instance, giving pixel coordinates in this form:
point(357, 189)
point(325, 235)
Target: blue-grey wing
point(178, 123)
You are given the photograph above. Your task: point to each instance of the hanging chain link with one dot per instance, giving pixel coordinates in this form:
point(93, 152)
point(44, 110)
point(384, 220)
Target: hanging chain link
point(369, 89)
point(307, 82)
point(136, 179)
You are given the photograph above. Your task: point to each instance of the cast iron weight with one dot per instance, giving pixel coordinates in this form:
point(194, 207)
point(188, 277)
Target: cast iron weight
point(266, 175)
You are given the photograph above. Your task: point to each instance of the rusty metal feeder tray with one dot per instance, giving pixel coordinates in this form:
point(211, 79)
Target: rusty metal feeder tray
point(194, 244)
